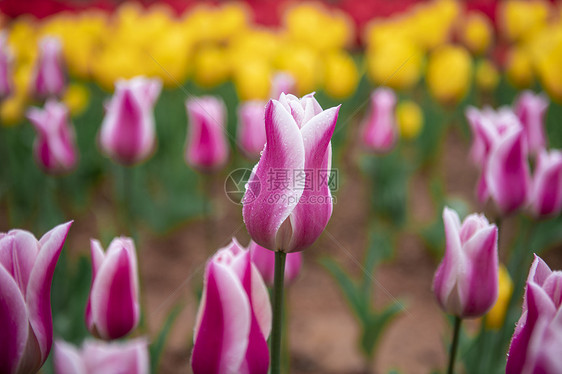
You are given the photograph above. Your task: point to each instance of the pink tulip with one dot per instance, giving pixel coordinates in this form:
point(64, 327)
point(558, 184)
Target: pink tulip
point(6, 59)
point(288, 202)
point(530, 108)
point(99, 357)
point(379, 127)
point(234, 317)
point(49, 74)
point(207, 146)
point(26, 272)
point(537, 341)
point(127, 133)
point(466, 281)
point(55, 146)
point(113, 308)
point(251, 128)
point(264, 259)
point(282, 82)
point(545, 197)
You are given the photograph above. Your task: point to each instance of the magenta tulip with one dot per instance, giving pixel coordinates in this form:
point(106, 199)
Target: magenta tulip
point(288, 202)
point(251, 128)
point(49, 74)
point(6, 59)
point(530, 108)
point(207, 146)
point(466, 281)
point(99, 357)
point(127, 133)
point(537, 340)
point(545, 198)
point(26, 272)
point(55, 146)
point(234, 317)
point(113, 306)
point(282, 82)
point(264, 259)
point(379, 127)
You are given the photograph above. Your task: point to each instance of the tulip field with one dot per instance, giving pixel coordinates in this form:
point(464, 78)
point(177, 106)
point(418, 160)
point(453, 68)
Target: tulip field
point(254, 187)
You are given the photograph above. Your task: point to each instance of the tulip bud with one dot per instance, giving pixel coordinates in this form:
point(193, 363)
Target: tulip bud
point(98, 356)
point(234, 317)
point(113, 308)
point(466, 281)
point(6, 57)
point(264, 259)
point(26, 272)
point(282, 82)
point(537, 339)
point(251, 128)
point(207, 146)
point(545, 197)
point(127, 132)
point(288, 202)
point(55, 146)
point(530, 109)
point(410, 119)
point(49, 74)
point(379, 127)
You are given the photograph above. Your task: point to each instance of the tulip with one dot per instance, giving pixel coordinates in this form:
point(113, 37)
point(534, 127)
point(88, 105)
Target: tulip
point(207, 146)
point(264, 259)
point(49, 74)
point(251, 128)
point(410, 119)
point(379, 128)
point(6, 57)
point(496, 316)
point(288, 202)
point(234, 317)
point(477, 33)
point(545, 197)
point(282, 82)
point(113, 305)
point(530, 109)
point(536, 342)
point(466, 281)
point(99, 357)
point(55, 146)
point(127, 132)
point(449, 73)
point(26, 272)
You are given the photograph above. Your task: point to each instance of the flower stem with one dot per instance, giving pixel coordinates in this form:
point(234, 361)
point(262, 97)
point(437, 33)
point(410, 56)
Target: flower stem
point(454, 344)
point(278, 284)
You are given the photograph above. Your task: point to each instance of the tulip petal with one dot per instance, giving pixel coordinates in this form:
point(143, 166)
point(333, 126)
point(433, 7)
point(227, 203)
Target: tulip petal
point(130, 356)
point(97, 260)
point(18, 251)
point(67, 359)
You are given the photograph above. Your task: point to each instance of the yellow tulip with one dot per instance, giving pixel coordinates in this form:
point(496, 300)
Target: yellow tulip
point(496, 316)
point(520, 19)
point(477, 33)
point(211, 66)
point(12, 110)
point(76, 98)
point(303, 64)
point(341, 76)
point(519, 68)
point(487, 76)
point(432, 22)
point(410, 119)
point(253, 80)
point(449, 73)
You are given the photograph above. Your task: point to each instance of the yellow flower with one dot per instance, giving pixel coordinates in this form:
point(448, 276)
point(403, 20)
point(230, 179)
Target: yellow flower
point(410, 119)
point(76, 98)
point(520, 19)
point(477, 33)
point(211, 67)
point(341, 75)
point(433, 22)
point(12, 110)
point(487, 76)
point(496, 316)
point(449, 73)
point(253, 80)
point(519, 69)
point(303, 64)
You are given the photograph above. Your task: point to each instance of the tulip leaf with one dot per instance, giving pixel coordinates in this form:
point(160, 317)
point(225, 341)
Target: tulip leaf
point(158, 345)
point(347, 285)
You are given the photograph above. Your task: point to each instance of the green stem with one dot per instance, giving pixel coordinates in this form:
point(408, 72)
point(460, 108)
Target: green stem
point(278, 284)
point(128, 199)
point(454, 345)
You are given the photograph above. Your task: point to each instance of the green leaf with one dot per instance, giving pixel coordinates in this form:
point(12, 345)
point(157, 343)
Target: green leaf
point(157, 347)
point(347, 285)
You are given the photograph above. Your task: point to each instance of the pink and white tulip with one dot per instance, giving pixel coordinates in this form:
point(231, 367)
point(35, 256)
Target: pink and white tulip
point(207, 146)
point(6, 60)
point(379, 127)
point(531, 108)
point(26, 272)
point(545, 198)
point(113, 308)
point(536, 344)
point(251, 128)
point(234, 317)
point(466, 281)
point(99, 357)
point(49, 74)
point(264, 259)
point(127, 133)
point(55, 147)
point(288, 202)
point(282, 82)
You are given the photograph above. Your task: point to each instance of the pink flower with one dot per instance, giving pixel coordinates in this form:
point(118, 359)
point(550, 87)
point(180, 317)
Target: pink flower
point(113, 308)
point(379, 127)
point(545, 198)
point(466, 281)
point(264, 259)
point(234, 317)
point(251, 128)
point(99, 357)
point(55, 146)
point(282, 82)
point(530, 108)
point(6, 59)
point(207, 146)
point(288, 202)
point(49, 74)
point(127, 133)
point(536, 344)
point(26, 272)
